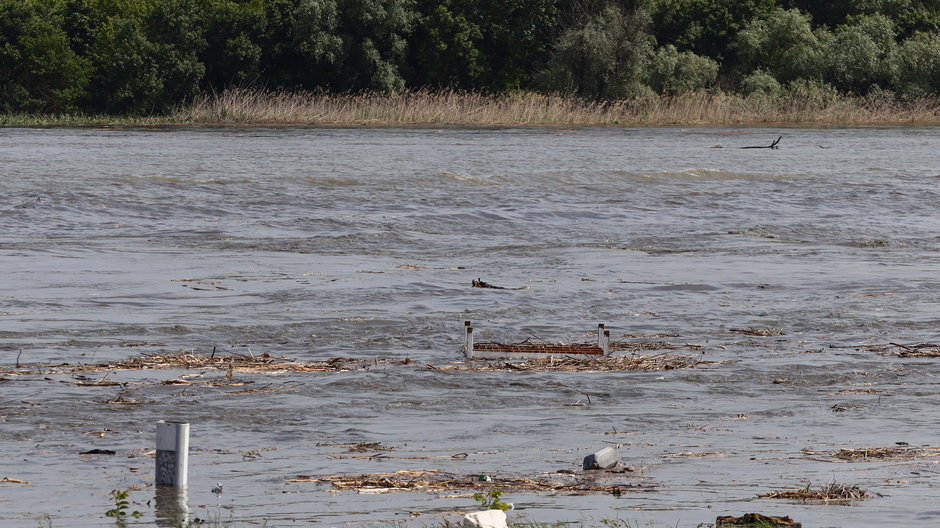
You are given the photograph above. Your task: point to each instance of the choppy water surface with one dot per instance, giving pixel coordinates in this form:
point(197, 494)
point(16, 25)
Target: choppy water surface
point(320, 243)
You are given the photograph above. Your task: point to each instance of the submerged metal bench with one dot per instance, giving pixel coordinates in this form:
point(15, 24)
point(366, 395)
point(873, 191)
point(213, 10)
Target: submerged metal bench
point(526, 350)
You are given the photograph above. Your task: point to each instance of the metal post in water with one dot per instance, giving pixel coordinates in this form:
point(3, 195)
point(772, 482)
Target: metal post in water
point(603, 339)
point(468, 346)
point(172, 454)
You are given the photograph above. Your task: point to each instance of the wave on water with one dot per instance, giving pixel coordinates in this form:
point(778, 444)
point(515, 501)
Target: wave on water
point(331, 181)
point(464, 179)
point(876, 243)
point(705, 174)
point(130, 178)
point(367, 242)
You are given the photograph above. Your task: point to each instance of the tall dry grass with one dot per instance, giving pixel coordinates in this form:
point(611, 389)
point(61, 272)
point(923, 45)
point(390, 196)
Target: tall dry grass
point(450, 108)
point(244, 106)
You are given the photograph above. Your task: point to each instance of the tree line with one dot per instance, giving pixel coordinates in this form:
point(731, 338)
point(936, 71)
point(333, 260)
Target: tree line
point(148, 56)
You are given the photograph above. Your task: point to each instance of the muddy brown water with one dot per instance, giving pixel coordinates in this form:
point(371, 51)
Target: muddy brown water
point(319, 243)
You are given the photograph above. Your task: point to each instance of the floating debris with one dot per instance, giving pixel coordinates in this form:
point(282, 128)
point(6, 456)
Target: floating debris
point(434, 480)
point(533, 349)
point(606, 458)
point(694, 454)
point(773, 145)
point(480, 283)
point(762, 332)
point(922, 350)
point(756, 520)
point(621, 346)
point(259, 389)
point(238, 363)
point(864, 390)
point(883, 453)
point(832, 492)
point(247, 454)
point(584, 364)
point(98, 452)
point(527, 349)
point(360, 447)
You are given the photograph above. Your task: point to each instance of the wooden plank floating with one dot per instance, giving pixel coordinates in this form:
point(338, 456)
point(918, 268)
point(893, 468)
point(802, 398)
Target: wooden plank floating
point(528, 350)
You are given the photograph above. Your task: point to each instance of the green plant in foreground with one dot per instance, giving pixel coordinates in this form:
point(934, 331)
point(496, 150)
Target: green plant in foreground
point(121, 505)
point(490, 500)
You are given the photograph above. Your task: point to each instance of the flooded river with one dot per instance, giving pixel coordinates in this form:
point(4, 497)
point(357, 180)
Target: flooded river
point(806, 277)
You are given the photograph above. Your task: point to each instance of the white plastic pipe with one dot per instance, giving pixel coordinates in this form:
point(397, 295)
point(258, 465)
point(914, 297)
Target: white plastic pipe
point(172, 454)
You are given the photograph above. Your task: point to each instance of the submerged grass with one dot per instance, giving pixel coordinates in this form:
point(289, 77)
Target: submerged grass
point(247, 106)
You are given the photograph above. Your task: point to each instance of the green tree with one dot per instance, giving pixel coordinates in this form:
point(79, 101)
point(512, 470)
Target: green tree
point(175, 30)
point(130, 9)
point(282, 64)
point(444, 50)
point(341, 45)
point(374, 35)
point(127, 78)
point(487, 45)
point(605, 56)
point(760, 84)
point(39, 70)
point(234, 34)
point(918, 65)
point(837, 12)
point(674, 72)
point(80, 21)
point(855, 56)
point(517, 40)
point(706, 27)
point(922, 17)
point(783, 44)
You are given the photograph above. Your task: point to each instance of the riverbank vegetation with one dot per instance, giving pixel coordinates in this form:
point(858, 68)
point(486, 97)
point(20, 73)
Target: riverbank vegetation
point(237, 107)
point(469, 62)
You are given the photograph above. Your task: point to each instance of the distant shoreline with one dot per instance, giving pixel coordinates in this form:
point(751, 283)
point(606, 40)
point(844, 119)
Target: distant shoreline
point(447, 109)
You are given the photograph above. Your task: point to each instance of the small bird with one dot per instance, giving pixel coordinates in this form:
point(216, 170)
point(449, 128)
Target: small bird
point(217, 489)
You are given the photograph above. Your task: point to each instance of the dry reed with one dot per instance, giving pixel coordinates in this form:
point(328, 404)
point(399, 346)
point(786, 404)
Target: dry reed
point(245, 106)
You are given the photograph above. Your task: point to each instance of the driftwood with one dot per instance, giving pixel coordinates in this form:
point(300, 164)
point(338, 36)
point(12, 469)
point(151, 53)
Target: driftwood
point(771, 146)
point(480, 283)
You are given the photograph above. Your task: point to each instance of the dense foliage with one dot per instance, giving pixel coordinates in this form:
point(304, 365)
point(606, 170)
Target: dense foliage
point(147, 56)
